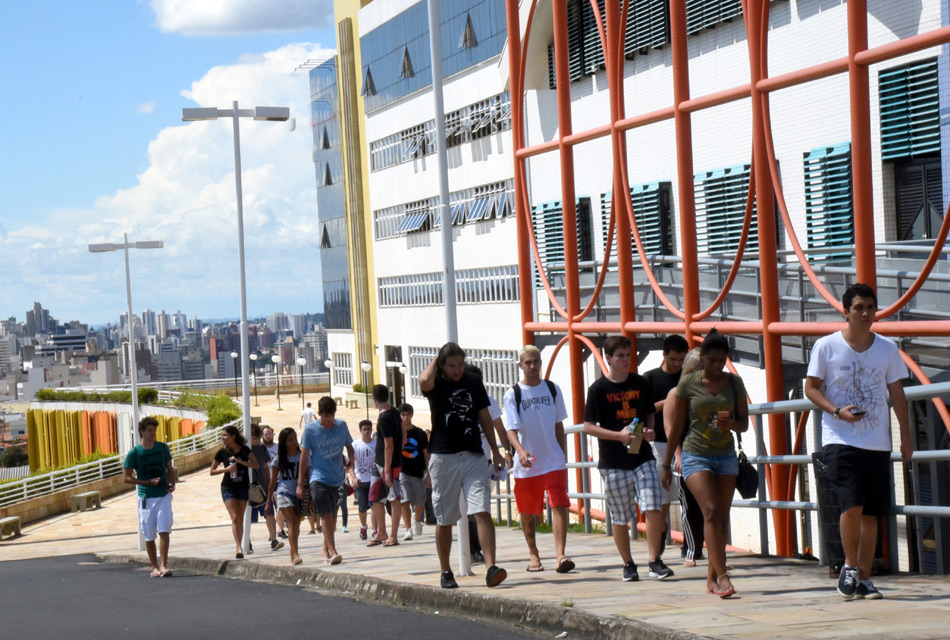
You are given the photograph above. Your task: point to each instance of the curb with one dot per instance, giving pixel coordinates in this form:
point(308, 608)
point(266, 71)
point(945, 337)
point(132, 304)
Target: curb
point(504, 611)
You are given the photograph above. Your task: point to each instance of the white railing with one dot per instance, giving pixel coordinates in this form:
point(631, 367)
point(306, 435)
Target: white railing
point(221, 384)
point(35, 486)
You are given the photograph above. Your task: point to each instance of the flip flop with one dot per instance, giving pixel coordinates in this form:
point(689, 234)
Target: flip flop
point(391, 543)
point(335, 560)
point(731, 591)
point(167, 573)
point(238, 556)
point(297, 561)
point(374, 543)
point(565, 565)
point(536, 569)
point(156, 574)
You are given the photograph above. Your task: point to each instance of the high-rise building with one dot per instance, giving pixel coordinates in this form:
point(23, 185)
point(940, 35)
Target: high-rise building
point(150, 321)
point(38, 321)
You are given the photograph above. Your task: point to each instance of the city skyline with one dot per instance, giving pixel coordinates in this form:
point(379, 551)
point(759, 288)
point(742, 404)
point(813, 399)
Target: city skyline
point(96, 148)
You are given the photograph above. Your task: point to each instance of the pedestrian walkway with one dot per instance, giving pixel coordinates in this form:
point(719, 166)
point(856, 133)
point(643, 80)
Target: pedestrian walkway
point(778, 598)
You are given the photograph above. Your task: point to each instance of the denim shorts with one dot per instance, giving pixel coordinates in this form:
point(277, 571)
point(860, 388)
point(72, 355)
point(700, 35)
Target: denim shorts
point(726, 464)
point(234, 492)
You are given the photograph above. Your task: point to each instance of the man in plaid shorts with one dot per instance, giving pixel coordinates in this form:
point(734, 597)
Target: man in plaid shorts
point(614, 402)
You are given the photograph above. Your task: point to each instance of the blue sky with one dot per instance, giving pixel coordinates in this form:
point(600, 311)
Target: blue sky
point(93, 146)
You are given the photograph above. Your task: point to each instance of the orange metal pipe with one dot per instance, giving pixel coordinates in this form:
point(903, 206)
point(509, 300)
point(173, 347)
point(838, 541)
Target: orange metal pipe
point(756, 18)
point(569, 207)
point(861, 180)
point(523, 217)
point(684, 163)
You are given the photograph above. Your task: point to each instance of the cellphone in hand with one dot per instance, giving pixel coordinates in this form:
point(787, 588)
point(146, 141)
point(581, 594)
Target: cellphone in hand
point(857, 412)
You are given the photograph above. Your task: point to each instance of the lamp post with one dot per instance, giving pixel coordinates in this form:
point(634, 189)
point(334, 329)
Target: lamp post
point(234, 356)
point(276, 360)
point(253, 358)
point(257, 113)
point(133, 370)
point(403, 370)
point(329, 365)
point(365, 366)
point(300, 363)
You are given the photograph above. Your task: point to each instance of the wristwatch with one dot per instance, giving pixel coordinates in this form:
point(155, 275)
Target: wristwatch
point(837, 413)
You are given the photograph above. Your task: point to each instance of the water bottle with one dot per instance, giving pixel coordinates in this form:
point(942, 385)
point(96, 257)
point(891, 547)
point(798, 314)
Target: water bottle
point(234, 473)
point(636, 429)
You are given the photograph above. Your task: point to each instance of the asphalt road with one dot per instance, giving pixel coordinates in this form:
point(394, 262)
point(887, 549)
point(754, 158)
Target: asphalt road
point(77, 597)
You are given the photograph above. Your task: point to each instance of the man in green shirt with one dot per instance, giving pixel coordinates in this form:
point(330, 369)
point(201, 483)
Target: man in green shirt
point(155, 477)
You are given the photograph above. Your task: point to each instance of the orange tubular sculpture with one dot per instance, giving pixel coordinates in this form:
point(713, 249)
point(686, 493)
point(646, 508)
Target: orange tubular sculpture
point(764, 187)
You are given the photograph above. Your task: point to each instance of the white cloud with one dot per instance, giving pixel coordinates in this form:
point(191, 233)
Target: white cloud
point(186, 197)
point(146, 107)
point(226, 17)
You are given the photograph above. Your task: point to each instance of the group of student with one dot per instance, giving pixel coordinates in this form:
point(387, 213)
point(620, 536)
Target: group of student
point(641, 456)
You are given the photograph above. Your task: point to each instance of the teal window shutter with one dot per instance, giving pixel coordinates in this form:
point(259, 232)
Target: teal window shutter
point(720, 208)
point(910, 110)
point(651, 206)
point(829, 202)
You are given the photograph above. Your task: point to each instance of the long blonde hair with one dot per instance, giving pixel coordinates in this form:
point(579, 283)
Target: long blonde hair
point(693, 362)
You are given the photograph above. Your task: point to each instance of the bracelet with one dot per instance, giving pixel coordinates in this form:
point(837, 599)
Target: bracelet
point(669, 467)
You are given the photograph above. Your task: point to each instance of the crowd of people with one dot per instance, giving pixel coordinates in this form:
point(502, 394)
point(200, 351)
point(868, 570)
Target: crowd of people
point(664, 436)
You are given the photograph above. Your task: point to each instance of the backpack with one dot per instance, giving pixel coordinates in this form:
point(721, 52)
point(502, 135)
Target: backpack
point(517, 390)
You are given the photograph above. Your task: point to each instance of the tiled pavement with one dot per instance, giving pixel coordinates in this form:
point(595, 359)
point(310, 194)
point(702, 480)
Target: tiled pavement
point(778, 598)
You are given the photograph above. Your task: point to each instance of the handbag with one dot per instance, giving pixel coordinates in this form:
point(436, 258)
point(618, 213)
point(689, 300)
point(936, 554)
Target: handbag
point(305, 504)
point(747, 482)
point(255, 495)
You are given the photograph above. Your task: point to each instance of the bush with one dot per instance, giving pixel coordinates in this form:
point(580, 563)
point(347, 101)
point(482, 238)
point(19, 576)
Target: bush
point(14, 457)
point(222, 411)
point(146, 396)
point(359, 388)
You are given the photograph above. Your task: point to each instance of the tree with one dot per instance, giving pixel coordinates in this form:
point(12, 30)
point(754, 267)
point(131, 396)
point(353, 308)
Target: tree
point(14, 457)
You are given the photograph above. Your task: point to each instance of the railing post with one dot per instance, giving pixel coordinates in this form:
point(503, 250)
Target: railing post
point(763, 514)
point(585, 485)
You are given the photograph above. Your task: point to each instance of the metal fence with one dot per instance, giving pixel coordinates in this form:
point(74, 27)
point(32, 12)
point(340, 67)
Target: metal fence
point(503, 494)
point(41, 485)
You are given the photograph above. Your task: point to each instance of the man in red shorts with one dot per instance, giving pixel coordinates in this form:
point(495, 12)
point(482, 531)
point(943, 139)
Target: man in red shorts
point(535, 414)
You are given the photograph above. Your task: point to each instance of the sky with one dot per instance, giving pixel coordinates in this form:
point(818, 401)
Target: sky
point(92, 146)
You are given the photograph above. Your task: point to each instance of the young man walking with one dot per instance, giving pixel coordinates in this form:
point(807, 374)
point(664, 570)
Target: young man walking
point(385, 487)
point(415, 472)
point(617, 404)
point(662, 380)
point(306, 416)
point(267, 437)
point(149, 466)
point(322, 445)
point(364, 462)
point(535, 414)
point(459, 405)
point(851, 374)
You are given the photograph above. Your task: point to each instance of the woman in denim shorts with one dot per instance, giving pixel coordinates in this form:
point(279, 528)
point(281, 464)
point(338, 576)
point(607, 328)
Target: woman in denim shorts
point(283, 487)
point(713, 401)
point(232, 463)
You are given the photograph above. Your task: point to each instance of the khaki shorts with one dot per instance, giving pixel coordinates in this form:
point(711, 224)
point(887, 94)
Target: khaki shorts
point(455, 474)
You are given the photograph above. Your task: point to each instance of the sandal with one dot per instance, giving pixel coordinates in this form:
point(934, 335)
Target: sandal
point(565, 565)
point(536, 569)
point(391, 543)
point(374, 543)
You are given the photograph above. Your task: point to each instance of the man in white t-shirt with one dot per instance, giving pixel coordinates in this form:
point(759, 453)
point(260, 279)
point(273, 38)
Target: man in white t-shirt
point(306, 416)
point(535, 414)
point(364, 452)
point(850, 376)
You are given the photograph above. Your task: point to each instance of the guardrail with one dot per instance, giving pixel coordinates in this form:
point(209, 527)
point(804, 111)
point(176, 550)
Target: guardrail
point(756, 411)
point(219, 384)
point(36, 486)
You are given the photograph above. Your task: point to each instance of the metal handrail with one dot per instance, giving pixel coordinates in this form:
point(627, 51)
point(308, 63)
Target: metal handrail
point(60, 479)
point(757, 410)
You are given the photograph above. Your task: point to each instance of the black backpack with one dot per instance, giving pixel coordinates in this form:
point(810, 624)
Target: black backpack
point(517, 389)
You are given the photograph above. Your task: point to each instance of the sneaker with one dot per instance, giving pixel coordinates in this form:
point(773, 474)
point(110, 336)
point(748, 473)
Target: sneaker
point(362, 533)
point(417, 528)
point(495, 576)
point(276, 544)
point(478, 558)
point(865, 589)
point(630, 572)
point(345, 530)
point(448, 580)
point(659, 570)
point(282, 534)
point(250, 548)
point(848, 582)
point(407, 535)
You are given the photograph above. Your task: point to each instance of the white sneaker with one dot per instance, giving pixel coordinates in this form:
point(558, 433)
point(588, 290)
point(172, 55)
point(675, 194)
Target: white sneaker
point(407, 535)
point(417, 528)
point(345, 530)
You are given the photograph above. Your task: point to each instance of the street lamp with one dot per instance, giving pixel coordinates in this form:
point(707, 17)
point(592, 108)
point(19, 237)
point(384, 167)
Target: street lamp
point(276, 360)
point(403, 370)
point(329, 365)
point(253, 358)
point(365, 366)
point(258, 113)
point(300, 363)
point(125, 246)
point(234, 355)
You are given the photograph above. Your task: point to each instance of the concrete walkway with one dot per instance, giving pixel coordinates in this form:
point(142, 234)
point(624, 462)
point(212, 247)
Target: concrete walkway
point(777, 598)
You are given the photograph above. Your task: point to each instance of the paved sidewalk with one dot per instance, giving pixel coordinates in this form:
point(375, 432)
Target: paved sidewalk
point(778, 598)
